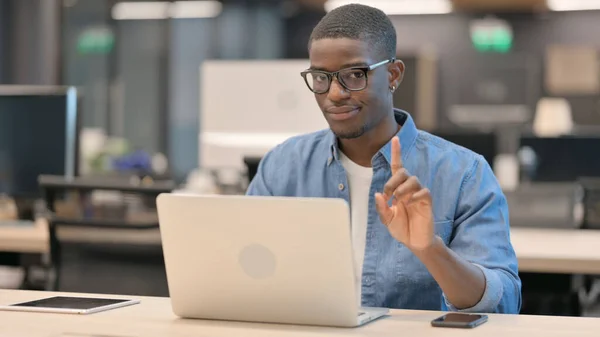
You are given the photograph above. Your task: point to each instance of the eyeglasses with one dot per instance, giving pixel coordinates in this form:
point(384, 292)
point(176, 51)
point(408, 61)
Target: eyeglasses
point(353, 79)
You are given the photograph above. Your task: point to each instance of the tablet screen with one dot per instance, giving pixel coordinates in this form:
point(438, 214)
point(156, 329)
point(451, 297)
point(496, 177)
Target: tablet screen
point(60, 302)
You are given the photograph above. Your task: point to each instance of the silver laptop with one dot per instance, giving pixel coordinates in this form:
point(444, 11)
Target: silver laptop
point(261, 259)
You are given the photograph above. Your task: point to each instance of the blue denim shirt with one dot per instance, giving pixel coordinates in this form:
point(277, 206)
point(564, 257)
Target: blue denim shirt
point(470, 214)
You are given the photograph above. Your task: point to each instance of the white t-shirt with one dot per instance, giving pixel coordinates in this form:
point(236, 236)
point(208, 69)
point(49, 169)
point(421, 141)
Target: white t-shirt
point(359, 181)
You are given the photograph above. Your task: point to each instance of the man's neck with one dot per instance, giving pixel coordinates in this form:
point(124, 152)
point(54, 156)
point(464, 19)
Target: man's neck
point(362, 149)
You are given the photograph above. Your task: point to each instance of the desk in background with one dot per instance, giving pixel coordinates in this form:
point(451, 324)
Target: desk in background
point(24, 237)
point(538, 250)
point(558, 268)
point(52, 186)
point(557, 251)
point(26, 244)
point(153, 317)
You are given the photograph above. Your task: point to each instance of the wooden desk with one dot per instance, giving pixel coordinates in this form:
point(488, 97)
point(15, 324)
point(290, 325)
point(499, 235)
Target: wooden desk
point(557, 251)
point(153, 317)
point(26, 239)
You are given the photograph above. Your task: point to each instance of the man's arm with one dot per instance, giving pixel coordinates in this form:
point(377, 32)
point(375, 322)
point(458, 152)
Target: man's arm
point(462, 282)
point(480, 249)
point(478, 271)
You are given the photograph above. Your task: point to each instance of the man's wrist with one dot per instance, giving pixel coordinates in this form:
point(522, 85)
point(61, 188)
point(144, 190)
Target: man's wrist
point(437, 246)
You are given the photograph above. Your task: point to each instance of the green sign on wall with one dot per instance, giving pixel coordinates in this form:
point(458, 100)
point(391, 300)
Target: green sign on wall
point(491, 35)
point(96, 41)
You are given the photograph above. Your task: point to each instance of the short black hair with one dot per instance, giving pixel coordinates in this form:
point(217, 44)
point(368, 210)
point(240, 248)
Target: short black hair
point(358, 22)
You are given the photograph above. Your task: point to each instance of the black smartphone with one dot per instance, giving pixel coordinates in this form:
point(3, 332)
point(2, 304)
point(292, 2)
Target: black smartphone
point(459, 320)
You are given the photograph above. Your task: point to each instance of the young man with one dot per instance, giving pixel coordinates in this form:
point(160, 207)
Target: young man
point(429, 220)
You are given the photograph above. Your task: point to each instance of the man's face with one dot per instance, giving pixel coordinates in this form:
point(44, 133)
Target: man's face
point(352, 113)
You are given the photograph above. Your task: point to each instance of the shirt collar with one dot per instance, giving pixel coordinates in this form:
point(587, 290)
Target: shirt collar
point(407, 135)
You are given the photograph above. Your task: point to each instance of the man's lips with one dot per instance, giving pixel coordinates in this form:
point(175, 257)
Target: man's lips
point(342, 113)
point(341, 109)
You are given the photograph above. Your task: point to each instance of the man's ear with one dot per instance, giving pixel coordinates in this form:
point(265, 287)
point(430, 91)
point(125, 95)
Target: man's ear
point(396, 70)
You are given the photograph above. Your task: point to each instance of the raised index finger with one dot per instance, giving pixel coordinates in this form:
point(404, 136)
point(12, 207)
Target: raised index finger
point(396, 164)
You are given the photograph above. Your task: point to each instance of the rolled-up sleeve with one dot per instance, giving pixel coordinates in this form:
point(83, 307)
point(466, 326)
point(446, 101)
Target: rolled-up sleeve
point(482, 237)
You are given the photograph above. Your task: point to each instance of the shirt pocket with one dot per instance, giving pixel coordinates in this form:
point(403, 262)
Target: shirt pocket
point(443, 229)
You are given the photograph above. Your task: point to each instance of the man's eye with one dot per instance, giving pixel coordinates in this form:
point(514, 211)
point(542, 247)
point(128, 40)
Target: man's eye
point(356, 74)
point(320, 78)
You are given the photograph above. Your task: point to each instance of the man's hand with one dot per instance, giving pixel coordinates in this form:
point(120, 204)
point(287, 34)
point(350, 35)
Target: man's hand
point(410, 216)
point(410, 221)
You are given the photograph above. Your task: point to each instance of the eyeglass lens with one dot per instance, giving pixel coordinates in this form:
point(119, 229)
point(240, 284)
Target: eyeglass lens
point(352, 79)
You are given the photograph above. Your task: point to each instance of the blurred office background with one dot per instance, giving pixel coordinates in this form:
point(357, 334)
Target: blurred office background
point(183, 94)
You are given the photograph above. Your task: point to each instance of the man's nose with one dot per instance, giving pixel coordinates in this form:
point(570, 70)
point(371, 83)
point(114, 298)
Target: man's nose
point(337, 92)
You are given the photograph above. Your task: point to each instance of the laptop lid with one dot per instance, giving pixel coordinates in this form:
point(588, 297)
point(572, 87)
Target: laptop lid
point(259, 259)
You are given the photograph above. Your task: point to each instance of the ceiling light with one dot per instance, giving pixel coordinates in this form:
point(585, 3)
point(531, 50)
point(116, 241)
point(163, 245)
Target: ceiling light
point(196, 9)
point(573, 5)
point(140, 10)
point(161, 10)
point(399, 7)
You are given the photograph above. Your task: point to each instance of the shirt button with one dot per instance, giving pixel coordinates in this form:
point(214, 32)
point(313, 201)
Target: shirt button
point(341, 187)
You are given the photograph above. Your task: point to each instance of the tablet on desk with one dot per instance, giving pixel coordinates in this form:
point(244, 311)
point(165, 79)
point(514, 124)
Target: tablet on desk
point(70, 305)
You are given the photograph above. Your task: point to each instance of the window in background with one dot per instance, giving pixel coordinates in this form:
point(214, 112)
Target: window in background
point(191, 43)
point(140, 70)
point(140, 87)
point(87, 53)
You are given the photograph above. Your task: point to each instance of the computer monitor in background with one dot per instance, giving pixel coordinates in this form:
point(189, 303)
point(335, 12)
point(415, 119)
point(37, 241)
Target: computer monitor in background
point(493, 91)
point(38, 135)
point(269, 103)
point(563, 159)
point(483, 143)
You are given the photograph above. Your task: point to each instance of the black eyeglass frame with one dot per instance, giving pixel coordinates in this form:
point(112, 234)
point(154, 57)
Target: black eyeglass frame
point(331, 75)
